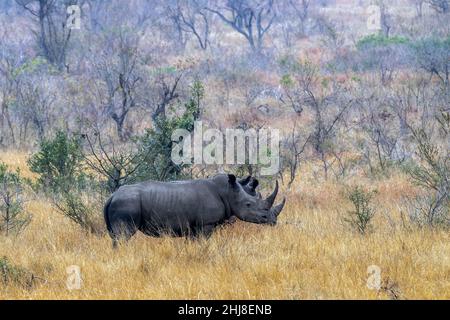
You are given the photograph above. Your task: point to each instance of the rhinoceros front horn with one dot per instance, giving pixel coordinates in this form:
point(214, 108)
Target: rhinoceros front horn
point(271, 199)
point(277, 209)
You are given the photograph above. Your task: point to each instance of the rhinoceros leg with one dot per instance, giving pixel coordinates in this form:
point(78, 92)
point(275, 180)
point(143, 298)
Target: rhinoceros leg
point(123, 219)
point(123, 228)
point(202, 231)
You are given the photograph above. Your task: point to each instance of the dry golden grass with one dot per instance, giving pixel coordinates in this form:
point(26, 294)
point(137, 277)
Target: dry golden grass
point(17, 159)
point(310, 254)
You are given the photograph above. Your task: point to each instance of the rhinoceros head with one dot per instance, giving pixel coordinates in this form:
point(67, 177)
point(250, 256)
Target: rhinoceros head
point(253, 208)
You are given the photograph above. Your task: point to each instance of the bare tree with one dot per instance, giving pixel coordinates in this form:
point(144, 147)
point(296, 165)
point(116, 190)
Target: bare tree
point(119, 71)
point(383, 136)
point(192, 18)
point(386, 18)
point(114, 163)
point(36, 102)
point(252, 19)
point(302, 10)
point(54, 34)
point(441, 6)
point(9, 62)
point(294, 146)
point(166, 91)
point(418, 4)
point(102, 15)
point(328, 107)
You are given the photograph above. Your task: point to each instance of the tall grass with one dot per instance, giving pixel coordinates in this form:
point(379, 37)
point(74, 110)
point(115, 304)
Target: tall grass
point(310, 254)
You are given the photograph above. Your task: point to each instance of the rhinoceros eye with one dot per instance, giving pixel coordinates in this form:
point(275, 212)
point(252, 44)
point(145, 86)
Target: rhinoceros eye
point(248, 204)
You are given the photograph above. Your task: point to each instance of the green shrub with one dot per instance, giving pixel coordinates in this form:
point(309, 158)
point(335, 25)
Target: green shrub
point(378, 40)
point(432, 174)
point(155, 147)
point(361, 217)
point(58, 162)
point(83, 206)
point(13, 218)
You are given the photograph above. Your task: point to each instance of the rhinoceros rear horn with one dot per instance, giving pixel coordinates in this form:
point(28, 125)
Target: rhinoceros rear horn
point(277, 209)
point(254, 183)
point(270, 199)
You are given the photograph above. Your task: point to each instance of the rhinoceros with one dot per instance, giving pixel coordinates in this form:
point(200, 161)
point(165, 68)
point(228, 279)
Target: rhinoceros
point(186, 208)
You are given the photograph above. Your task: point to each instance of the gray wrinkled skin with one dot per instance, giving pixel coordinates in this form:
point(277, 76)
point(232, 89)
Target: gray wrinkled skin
point(185, 208)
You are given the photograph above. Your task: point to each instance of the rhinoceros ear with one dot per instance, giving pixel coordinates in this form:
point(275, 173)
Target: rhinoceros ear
point(245, 181)
point(232, 179)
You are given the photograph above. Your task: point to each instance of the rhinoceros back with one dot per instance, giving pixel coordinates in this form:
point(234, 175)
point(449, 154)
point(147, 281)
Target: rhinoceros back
point(153, 207)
